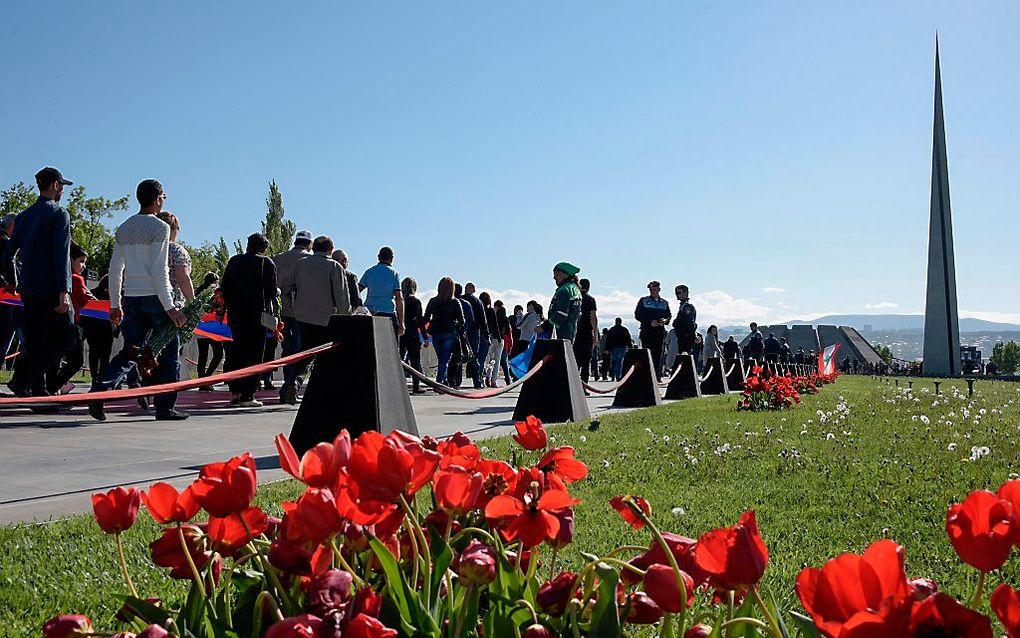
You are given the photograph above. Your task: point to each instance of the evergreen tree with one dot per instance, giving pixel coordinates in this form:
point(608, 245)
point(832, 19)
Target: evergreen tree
point(279, 231)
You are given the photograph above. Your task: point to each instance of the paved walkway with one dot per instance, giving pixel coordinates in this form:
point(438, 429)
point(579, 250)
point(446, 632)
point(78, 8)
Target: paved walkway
point(50, 465)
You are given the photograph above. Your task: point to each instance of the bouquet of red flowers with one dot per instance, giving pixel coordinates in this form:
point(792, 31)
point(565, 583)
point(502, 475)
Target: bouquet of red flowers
point(763, 392)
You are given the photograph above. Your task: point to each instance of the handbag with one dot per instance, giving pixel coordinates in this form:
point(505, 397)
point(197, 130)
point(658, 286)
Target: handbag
point(268, 319)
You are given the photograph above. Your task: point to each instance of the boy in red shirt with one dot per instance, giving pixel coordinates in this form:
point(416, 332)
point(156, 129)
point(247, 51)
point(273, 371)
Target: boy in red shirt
point(59, 380)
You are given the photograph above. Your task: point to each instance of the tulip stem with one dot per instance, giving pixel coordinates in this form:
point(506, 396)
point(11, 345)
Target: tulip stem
point(424, 548)
point(980, 591)
point(623, 565)
point(472, 530)
point(266, 597)
point(773, 625)
point(267, 568)
point(463, 610)
point(552, 563)
point(191, 561)
point(415, 556)
point(669, 554)
point(531, 609)
point(343, 563)
point(123, 566)
point(743, 621)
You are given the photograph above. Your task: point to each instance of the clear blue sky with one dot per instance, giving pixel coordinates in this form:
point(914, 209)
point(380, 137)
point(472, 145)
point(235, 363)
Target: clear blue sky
point(732, 146)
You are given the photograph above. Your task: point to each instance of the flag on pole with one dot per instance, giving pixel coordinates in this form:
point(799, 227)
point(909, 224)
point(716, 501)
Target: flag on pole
point(827, 359)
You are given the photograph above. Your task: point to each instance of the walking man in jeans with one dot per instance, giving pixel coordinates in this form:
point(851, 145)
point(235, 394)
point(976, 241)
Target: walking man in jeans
point(285, 264)
point(384, 298)
point(42, 241)
point(139, 268)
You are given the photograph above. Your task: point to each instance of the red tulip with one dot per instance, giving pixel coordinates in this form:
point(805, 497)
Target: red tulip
point(1005, 602)
point(553, 595)
point(319, 466)
point(942, 615)
point(367, 627)
point(859, 595)
point(292, 558)
point(167, 505)
point(154, 631)
point(457, 490)
point(67, 626)
point(1010, 491)
point(303, 626)
point(662, 586)
point(167, 552)
point(497, 478)
point(620, 504)
point(117, 509)
point(531, 518)
point(536, 630)
point(531, 434)
point(313, 517)
point(733, 556)
point(981, 530)
point(328, 591)
point(565, 535)
point(476, 565)
point(229, 534)
point(682, 549)
point(561, 462)
point(643, 610)
point(223, 489)
point(698, 631)
point(458, 450)
point(366, 601)
point(381, 469)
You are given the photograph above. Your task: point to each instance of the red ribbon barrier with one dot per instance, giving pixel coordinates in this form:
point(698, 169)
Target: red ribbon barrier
point(615, 386)
point(164, 388)
point(479, 394)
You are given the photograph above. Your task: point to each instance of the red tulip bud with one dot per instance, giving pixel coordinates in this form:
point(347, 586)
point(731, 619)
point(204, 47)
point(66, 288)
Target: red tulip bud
point(536, 631)
point(662, 586)
point(566, 533)
point(154, 631)
point(329, 591)
point(698, 631)
point(476, 565)
point(67, 626)
point(554, 595)
point(643, 610)
point(125, 634)
point(922, 588)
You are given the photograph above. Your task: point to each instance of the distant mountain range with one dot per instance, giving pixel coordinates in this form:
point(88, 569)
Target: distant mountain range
point(882, 323)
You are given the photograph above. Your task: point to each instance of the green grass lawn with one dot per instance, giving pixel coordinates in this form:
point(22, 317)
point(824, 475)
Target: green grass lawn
point(849, 466)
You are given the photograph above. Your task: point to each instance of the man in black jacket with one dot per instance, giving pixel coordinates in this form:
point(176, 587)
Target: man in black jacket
point(618, 339)
point(478, 335)
point(772, 348)
point(731, 349)
point(686, 322)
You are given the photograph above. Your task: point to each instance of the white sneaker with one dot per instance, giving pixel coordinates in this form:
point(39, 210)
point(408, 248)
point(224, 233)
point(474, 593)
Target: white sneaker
point(253, 403)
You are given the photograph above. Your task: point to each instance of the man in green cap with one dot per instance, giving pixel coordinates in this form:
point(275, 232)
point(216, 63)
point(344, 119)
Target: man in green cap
point(565, 308)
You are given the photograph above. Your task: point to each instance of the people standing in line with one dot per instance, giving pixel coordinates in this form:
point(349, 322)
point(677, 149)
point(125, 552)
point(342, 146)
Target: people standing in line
point(462, 354)
point(414, 330)
point(494, 346)
point(618, 339)
point(653, 313)
point(58, 381)
point(41, 241)
point(8, 326)
point(800, 357)
point(318, 290)
point(686, 321)
point(98, 333)
point(138, 266)
point(207, 366)
point(477, 334)
point(285, 263)
point(340, 257)
point(565, 307)
point(697, 350)
point(529, 324)
point(515, 322)
point(587, 332)
point(712, 348)
point(756, 345)
point(383, 285)
point(784, 351)
point(731, 349)
point(444, 315)
point(506, 336)
point(249, 292)
point(772, 348)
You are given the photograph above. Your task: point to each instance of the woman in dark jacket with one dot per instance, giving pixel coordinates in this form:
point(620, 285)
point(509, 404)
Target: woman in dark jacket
point(410, 341)
point(98, 333)
point(445, 319)
point(249, 289)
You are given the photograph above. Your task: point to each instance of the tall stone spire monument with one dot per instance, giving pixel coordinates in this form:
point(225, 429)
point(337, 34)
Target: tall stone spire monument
point(941, 320)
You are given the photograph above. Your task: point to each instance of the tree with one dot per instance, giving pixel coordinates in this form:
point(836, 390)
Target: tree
point(17, 198)
point(88, 229)
point(885, 352)
point(1006, 357)
point(279, 231)
point(203, 260)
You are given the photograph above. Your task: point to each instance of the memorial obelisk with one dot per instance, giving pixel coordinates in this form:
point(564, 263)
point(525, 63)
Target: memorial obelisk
point(941, 319)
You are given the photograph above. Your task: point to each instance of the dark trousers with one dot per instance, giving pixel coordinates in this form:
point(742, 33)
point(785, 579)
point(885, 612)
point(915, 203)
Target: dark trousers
point(246, 348)
point(143, 316)
point(98, 333)
point(653, 341)
point(207, 366)
point(455, 368)
point(48, 336)
point(70, 366)
point(582, 353)
point(269, 354)
point(410, 351)
point(7, 329)
point(291, 344)
point(311, 336)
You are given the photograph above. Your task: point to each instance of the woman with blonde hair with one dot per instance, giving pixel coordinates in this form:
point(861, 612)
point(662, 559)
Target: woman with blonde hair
point(178, 262)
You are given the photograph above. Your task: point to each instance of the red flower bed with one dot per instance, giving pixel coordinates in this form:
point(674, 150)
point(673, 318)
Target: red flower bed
point(400, 536)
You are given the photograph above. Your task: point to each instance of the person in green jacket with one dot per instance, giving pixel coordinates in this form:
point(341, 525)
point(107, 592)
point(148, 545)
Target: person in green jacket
point(565, 309)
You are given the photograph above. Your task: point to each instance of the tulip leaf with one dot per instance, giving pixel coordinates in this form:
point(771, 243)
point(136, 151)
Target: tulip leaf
point(605, 617)
point(414, 619)
point(805, 624)
point(149, 613)
point(441, 559)
point(778, 616)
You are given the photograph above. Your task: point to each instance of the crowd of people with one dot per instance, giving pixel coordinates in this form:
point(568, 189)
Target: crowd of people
point(289, 299)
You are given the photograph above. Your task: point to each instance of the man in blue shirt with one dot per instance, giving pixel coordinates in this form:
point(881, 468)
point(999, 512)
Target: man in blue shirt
point(383, 285)
point(42, 241)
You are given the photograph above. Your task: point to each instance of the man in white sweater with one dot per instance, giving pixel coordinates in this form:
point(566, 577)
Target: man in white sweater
point(138, 267)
